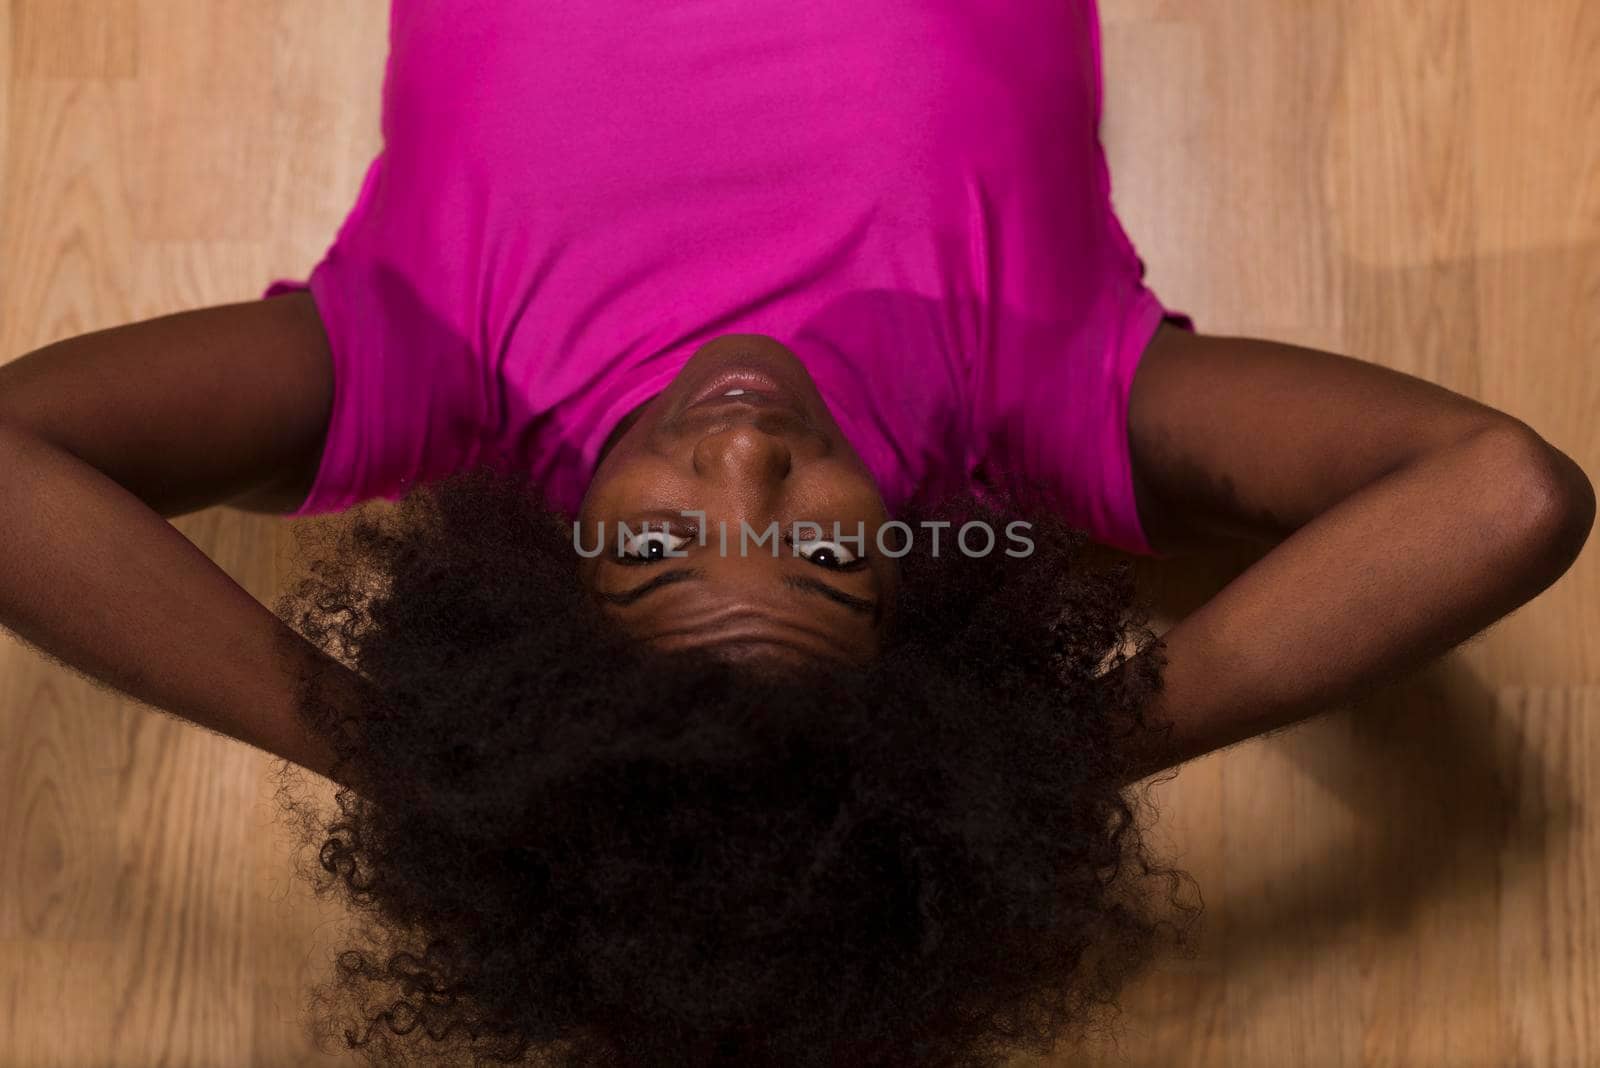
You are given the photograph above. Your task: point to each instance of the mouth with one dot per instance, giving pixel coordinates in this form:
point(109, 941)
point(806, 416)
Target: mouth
point(731, 401)
point(747, 389)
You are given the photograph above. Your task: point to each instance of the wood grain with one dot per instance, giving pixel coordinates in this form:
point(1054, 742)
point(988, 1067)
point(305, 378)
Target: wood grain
point(157, 155)
point(1407, 881)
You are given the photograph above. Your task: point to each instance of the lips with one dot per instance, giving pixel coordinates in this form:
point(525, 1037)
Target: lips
point(749, 389)
point(748, 381)
point(748, 400)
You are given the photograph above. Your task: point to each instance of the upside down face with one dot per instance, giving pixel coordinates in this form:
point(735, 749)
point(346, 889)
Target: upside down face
point(730, 512)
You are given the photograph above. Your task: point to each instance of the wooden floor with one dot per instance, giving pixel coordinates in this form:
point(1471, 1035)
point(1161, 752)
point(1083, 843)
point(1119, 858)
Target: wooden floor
point(1412, 881)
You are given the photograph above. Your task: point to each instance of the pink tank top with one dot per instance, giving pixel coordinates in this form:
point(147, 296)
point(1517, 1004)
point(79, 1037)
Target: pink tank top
point(572, 198)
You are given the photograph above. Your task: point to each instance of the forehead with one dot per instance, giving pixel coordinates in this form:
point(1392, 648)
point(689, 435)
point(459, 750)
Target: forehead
point(742, 602)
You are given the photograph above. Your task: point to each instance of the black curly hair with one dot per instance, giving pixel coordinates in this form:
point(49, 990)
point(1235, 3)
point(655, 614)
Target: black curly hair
point(569, 850)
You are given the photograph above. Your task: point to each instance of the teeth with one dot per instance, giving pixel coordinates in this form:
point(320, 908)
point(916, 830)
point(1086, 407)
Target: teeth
point(734, 393)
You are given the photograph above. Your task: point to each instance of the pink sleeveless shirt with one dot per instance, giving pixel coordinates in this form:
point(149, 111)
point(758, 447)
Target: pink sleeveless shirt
point(572, 198)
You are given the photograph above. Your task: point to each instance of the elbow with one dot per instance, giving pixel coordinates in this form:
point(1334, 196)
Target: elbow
point(1550, 502)
point(1573, 509)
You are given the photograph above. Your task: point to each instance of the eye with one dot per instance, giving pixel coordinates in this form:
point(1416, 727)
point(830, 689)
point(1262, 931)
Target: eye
point(825, 552)
point(648, 546)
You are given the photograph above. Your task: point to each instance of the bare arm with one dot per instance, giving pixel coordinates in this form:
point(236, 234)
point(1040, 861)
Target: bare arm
point(1404, 519)
point(103, 435)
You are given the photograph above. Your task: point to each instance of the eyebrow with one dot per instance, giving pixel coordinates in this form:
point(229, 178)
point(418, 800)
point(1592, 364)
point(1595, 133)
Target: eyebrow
point(856, 604)
point(623, 598)
point(627, 597)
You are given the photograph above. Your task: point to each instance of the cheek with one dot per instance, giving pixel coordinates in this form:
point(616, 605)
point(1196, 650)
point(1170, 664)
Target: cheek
point(599, 510)
point(636, 484)
point(849, 488)
point(846, 497)
point(614, 484)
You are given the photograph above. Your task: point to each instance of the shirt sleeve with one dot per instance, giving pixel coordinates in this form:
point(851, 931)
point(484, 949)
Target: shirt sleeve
point(409, 397)
point(1052, 410)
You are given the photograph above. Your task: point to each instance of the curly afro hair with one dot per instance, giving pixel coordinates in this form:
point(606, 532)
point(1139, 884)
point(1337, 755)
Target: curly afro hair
point(570, 850)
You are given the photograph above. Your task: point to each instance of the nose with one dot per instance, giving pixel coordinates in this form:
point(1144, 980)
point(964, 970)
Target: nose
point(743, 454)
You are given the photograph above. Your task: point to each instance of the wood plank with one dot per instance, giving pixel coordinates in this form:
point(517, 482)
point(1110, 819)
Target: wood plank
point(1406, 881)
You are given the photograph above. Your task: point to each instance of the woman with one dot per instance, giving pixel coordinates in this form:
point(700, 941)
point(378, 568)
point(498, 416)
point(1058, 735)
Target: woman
point(649, 795)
